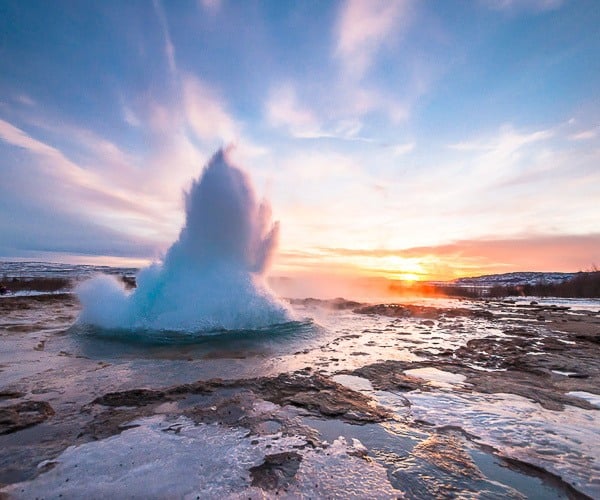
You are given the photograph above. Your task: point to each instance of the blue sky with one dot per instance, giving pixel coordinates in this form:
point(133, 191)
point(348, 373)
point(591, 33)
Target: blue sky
point(400, 138)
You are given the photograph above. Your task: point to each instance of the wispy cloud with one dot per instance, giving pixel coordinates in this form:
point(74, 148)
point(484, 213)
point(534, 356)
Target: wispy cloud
point(206, 112)
point(76, 189)
point(584, 135)
point(403, 149)
point(506, 142)
point(317, 165)
point(64, 167)
point(362, 28)
point(25, 99)
point(283, 109)
point(211, 6)
point(169, 47)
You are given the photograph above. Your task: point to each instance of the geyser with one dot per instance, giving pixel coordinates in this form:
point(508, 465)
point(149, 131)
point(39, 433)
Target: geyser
point(212, 277)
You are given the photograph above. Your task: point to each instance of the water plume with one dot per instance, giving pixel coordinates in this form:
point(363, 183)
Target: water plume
point(212, 277)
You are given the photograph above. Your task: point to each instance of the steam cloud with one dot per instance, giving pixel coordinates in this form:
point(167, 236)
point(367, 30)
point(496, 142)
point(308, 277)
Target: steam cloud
point(212, 277)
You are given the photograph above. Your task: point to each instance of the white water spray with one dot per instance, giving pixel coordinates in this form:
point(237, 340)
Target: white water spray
point(212, 277)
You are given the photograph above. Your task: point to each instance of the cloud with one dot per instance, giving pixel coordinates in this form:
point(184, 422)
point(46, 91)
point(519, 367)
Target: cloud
point(318, 166)
point(28, 228)
point(493, 159)
point(211, 6)
point(130, 117)
point(362, 28)
point(69, 188)
point(535, 253)
point(506, 142)
point(206, 113)
point(284, 110)
point(62, 166)
point(568, 253)
point(584, 135)
point(169, 48)
point(403, 149)
point(25, 99)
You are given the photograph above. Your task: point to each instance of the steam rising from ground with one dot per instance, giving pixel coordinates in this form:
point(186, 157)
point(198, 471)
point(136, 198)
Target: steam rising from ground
point(212, 277)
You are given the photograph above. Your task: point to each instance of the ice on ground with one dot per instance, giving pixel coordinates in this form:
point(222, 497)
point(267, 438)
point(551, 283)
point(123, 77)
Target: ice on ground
point(438, 377)
point(353, 382)
point(588, 396)
point(564, 443)
point(178, 459)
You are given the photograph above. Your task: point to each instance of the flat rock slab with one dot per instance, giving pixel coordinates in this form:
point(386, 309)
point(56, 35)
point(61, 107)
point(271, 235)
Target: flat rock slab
point(24, 414)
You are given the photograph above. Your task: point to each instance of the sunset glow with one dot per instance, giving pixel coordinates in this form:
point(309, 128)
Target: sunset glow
point(398, 139)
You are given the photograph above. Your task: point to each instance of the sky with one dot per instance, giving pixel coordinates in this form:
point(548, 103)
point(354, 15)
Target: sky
point(406, 139)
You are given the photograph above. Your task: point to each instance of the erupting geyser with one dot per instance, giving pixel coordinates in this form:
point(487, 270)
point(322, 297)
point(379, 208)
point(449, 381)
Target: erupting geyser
point(212, 277)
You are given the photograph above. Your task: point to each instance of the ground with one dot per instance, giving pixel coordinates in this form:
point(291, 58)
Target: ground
point(429, 400)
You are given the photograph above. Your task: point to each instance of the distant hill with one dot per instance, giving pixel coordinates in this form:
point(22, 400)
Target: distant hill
point(514, 279)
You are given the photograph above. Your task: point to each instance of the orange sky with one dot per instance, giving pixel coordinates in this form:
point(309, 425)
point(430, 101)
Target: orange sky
point(445, 262)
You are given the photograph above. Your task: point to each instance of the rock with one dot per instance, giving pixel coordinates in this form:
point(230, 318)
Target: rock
point(11, 394)
point(388, 376)
point(429, 313)
point(448, 452)
point(22, 415)
point(134, 397)
point(319, 394)
point(277, 471)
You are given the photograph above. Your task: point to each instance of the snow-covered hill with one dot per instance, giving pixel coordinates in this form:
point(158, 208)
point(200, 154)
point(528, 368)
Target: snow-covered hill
point(511, 279)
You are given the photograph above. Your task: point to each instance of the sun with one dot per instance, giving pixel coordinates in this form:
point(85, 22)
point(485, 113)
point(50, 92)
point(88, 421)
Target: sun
point(408, 277)
point(395, 267)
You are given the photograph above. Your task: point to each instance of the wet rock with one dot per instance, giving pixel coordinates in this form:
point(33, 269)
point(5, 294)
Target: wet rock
point(428, 313)
point(391, 310)
point(388, 376)
point(111, 422)
point(320, 395)
point(231, 402)
point(227, 410)
point(447, 452)
point(11, 395)
point(277, 471)
point(134, 397)
point(22, 415)
point(337, 304)
point(537, 388)
point(523, 362)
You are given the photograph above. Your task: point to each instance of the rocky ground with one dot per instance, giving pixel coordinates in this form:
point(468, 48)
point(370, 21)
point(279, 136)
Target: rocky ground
point(548, 355)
